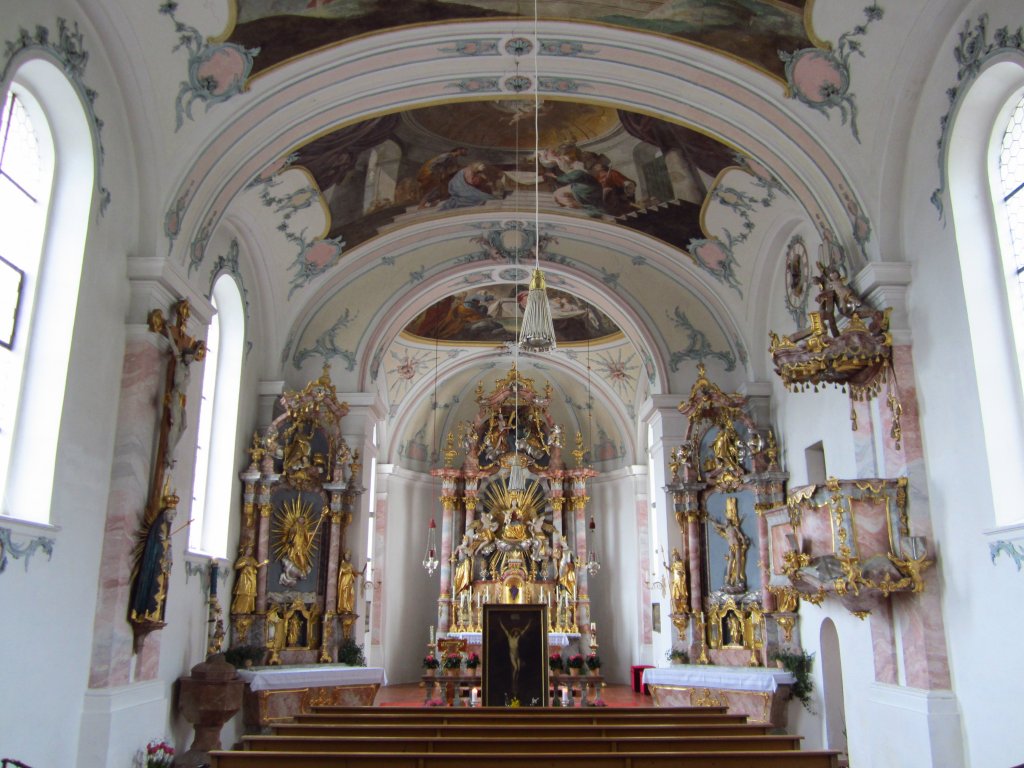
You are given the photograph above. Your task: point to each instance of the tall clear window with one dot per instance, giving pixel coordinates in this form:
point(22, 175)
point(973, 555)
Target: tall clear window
point(1011, 174)
point(26, 172)
point(215, 469)
point(47, 171)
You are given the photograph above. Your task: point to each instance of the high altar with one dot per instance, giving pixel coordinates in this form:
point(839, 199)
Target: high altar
point(506, 544)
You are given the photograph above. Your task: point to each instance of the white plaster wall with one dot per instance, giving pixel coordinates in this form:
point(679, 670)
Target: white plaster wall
point(615, 594)
point(51, 605)
point(982, 628)
point(409, 595)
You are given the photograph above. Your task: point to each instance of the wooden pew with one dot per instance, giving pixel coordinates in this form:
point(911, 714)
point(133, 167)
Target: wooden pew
point(783, 759)
point(501, 743)
point(509, 730)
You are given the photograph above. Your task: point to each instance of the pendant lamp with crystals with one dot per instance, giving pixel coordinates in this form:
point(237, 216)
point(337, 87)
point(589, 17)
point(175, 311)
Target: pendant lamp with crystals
point(538, 331)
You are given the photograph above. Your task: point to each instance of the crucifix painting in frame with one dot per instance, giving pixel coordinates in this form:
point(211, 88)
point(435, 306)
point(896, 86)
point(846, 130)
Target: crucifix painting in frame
point(515, 646)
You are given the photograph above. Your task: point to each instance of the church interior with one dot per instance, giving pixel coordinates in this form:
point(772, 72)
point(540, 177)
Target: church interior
point(356, 338)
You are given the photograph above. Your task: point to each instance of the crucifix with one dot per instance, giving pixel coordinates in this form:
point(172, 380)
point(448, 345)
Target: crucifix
point(152, 557)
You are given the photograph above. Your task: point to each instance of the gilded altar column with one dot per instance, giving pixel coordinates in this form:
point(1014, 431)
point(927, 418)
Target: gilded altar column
point(449, 483)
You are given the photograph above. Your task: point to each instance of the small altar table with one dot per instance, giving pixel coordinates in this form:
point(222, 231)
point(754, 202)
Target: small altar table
point(278, 693)
point(760, 693)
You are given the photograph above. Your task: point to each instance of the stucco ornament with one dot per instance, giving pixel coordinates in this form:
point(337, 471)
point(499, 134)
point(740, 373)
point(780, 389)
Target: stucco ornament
point(821, 78)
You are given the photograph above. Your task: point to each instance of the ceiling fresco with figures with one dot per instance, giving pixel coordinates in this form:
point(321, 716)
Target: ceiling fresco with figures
point(493, 315)
point(616, 166)
point(751, 30)
point(385, 174)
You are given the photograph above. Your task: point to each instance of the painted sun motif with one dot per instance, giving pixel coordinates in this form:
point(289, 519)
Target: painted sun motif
point(619, 371)
point(405, 369)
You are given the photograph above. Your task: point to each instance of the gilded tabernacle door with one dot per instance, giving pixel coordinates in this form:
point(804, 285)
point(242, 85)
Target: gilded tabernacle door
point(515, 646)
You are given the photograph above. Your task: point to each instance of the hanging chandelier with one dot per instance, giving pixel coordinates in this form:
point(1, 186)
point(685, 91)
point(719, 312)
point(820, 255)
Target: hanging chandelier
point(593, 556)
point(538, 330)
point(430, 560)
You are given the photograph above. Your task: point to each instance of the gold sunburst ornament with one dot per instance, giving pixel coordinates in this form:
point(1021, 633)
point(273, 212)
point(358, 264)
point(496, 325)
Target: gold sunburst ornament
point(295, 545)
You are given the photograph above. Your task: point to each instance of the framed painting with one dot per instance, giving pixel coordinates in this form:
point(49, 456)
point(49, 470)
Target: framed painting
point(515, 649)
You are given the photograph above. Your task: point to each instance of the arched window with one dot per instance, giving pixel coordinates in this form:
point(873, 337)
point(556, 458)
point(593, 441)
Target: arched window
point(47, 170)
point(1011, 173)
point(218, 418)
point(983, 209)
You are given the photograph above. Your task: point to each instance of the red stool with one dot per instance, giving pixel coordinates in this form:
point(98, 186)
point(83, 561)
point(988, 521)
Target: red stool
point(636, 673)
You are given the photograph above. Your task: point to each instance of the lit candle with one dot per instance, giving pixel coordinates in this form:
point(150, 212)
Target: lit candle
point(593, 627)
point(474, 696)
point(565, 695)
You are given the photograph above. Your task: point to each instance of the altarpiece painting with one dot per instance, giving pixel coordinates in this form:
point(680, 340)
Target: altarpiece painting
point(515, 645)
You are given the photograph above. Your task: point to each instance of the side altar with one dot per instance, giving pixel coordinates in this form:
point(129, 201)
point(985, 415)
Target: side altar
point(295, 585)
point(514, 525)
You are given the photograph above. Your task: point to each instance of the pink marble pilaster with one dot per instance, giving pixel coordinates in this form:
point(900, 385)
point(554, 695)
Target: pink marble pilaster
point(263, 510)
point(925, 655)
point(763, 563)
point(883, 642)
point(142, 377)
point(694, 559)
point(643, 524)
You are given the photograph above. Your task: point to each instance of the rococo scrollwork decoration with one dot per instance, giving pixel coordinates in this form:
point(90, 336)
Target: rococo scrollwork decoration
point(847, 344)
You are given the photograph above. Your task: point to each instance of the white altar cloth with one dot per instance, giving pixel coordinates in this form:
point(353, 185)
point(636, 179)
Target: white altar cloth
point(312, 676)
point(728, 678)
point(477, 638)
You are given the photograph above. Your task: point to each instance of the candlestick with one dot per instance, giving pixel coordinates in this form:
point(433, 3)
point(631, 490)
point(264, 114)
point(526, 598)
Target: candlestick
point(432, 636)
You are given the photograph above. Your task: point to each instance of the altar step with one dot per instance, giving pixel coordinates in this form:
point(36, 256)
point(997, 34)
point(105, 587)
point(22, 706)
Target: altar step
point(536, 760)
point(603, 737)
point(509, 730)
point(503, 743)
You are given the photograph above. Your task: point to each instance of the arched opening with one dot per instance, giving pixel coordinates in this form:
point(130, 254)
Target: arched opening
point(43, 228)
point(994, 309)
point(832, 689)
point(213, 485)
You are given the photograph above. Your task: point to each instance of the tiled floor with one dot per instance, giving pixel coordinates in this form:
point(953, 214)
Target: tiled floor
point(411, 694)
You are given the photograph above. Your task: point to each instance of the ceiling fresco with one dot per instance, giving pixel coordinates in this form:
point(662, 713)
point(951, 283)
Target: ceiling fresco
point(492, 315)
point(750, 30)
point(620, 167)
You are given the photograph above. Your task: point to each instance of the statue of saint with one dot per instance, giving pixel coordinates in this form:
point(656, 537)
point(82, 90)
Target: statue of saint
point(726, 449)
point(464, 568)
point(736, 558)
point(680, 597)
point(245, 584)
point(346, 585)
point(297, 543)
point(567, 575)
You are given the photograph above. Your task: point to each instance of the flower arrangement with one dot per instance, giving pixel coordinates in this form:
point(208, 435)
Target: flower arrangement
point(472, 661)
point(453, 661)
point(159, 754)
point(430, 661)
point(677, 656)
point(575, 661)
point(555, 662)
point(593, 662)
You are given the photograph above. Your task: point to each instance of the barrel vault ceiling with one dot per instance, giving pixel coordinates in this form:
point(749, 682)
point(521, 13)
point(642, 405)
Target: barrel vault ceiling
point(292, 141)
